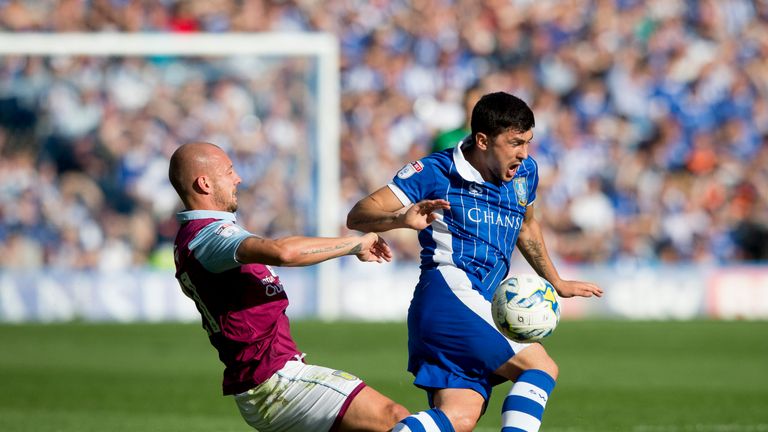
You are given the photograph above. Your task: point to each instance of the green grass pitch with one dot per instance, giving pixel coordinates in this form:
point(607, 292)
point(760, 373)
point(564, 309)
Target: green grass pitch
point(701, 376)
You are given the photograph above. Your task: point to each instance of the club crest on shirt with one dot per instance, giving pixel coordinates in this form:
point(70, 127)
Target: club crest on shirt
point(475, 189)
point(521, 190)
point(227, 230)
point(410, 169)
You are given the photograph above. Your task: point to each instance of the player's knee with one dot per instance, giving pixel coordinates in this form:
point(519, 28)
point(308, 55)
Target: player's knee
point(550, 367)
point(532, 357)
point(462, 420)
point(463, 423)
point(544, 362)
point(394, 412)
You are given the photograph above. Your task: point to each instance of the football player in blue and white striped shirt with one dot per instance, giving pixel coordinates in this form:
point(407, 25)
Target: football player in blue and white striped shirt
point(471, 205)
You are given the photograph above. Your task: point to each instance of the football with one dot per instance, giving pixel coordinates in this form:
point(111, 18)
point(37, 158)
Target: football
point(525, 308)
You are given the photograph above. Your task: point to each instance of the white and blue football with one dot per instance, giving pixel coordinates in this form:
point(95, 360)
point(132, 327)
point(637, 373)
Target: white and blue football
point(525, 308)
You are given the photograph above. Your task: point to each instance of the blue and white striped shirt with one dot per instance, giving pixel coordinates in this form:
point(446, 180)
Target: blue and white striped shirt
point(478, 233)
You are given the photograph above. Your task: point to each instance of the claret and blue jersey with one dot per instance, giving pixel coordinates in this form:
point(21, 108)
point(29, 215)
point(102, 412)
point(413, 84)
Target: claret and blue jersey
point(242, 305)
point(478, 233)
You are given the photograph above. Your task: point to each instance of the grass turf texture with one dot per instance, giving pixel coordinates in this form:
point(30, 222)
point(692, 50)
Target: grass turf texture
point(615, 376)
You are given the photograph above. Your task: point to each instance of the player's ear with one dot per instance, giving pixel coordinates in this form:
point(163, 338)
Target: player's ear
point(202, 185)
point(481, 141)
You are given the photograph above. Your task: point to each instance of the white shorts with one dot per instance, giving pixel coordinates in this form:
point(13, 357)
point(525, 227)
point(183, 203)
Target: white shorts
point(299, 397)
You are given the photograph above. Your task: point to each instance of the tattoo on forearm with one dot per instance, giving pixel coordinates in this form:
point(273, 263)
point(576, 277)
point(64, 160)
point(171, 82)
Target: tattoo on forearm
point(535, 252)
point(355, 249)
point(375, 222)
point(387, 219)
point(327, 249)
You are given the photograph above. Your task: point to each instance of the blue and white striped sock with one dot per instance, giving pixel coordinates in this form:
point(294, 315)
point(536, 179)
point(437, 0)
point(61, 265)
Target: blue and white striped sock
point(432, 420)
point(524, 405)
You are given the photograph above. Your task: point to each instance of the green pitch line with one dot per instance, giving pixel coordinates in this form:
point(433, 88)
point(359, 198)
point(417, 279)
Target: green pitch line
point(698, 376)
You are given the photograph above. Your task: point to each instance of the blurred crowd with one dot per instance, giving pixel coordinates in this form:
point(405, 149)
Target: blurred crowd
point(86, 143)
point(651, 120)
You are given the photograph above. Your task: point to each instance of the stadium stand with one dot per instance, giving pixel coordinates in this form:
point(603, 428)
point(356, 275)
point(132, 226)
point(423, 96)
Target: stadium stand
point(651, 120)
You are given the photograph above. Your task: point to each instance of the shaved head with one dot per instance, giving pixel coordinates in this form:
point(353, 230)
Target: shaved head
point(195, 171)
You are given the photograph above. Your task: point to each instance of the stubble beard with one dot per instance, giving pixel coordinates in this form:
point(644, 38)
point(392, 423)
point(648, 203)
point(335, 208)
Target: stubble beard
point(229, 205)
point(232, 204)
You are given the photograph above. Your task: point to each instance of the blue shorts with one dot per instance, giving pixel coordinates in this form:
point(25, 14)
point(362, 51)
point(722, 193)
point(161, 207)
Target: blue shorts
point(452, 340)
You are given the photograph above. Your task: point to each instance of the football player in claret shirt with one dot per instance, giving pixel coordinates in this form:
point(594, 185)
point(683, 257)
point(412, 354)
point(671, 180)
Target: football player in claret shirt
point(227, 271)
point(471, 205)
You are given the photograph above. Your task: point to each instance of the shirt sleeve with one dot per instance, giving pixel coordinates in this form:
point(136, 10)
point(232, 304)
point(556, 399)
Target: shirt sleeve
point(534, 183)
point(215, 246)
point(415, 181)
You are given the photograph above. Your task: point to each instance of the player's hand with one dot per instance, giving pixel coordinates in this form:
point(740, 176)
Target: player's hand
point(568, 288)
point(419, 215)
point(373, 248)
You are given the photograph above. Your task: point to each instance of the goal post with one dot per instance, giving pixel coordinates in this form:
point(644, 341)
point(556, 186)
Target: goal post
point(322, 47)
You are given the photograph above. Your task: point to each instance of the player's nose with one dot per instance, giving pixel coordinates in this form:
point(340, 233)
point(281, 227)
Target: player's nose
point(523, 152)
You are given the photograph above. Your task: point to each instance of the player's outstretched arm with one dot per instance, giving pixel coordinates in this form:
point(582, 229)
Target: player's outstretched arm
point(530, 242)
point(382, 211)
point(303, 251)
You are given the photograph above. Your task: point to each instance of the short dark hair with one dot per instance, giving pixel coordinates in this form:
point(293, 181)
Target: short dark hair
point(497, 112)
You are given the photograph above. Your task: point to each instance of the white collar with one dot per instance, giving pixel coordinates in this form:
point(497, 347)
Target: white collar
point(464, 168)
point(189, 215)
